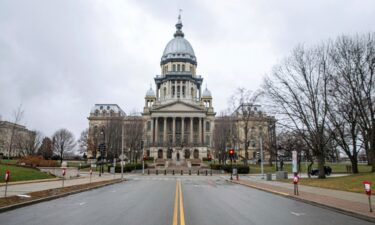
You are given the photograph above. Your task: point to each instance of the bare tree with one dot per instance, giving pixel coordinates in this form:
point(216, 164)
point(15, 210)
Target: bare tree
point(353, 59)
point(242, 102)
point(225, 129)
point(113, 137)
point(28, 142)
point(298, 87)
point(17, 117)
point(83, 141)
point(63, 142)
point(133, 135)
point(45, 149)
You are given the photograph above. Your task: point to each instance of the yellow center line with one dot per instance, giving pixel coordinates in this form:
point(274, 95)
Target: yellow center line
point(182, 214)
point(175, 210)
point(178, 196)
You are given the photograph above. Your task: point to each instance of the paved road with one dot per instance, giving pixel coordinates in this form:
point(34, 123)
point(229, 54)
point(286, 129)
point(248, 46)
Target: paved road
point(168, 200)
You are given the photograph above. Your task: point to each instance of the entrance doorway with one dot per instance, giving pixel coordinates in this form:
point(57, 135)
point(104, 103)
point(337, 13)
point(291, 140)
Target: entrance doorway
point(169, 153)
point(178, 156)
point(160, 154)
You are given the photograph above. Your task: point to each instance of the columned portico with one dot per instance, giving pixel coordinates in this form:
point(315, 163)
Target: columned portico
point(178, 109)
point(165, 130)
point(174, 130)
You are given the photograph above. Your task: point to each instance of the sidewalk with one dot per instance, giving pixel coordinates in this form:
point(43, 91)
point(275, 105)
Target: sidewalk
point(40, 185)
point(354, 204)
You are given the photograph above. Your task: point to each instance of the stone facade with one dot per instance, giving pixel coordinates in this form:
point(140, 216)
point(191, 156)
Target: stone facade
point(15, 134)
point(179, 118)
point(261, 129)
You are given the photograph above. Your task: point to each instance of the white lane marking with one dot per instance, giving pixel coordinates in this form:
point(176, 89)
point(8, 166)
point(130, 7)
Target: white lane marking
point(24, 196)
point(298, 214)
point(82, 203)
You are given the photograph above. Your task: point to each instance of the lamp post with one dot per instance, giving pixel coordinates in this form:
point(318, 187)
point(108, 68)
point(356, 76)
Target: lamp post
point(261, 155)
point(102, 152)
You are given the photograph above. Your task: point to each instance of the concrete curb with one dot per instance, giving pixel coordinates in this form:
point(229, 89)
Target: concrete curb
point(32, 202)
point(30, 181)
point(321, 205)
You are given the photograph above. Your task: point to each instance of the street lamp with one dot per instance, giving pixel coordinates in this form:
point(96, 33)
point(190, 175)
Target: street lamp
point(102, 149)
point(261, 152)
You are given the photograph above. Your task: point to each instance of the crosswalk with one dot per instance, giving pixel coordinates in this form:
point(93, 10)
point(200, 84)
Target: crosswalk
point(146, 178)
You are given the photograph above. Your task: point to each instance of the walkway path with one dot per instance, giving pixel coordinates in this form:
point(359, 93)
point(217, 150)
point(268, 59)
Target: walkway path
point(23, 188)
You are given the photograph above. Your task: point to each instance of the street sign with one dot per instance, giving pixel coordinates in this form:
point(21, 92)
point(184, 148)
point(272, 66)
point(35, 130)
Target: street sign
point(367, 186)
point(7, 176)
point(294, 161)
point(64, 164)
point(122, 157)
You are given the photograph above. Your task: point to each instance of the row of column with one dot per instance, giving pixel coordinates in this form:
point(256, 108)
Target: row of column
point(155, 130)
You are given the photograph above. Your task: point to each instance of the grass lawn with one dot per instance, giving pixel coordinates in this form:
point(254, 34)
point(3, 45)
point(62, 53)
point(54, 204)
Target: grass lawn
point(22, 173)
point(336, 168)
point(352, 183)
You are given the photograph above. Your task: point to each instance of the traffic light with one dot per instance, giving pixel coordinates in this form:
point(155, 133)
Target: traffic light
point(209, 158)
point(144, 157)
point(231, 152)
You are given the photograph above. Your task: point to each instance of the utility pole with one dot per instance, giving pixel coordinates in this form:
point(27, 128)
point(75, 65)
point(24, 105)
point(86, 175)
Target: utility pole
point(261, 155)
point(122, 163)
point(143, 158)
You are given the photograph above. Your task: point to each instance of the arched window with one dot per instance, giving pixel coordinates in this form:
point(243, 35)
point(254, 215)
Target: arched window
point(174, 67)
point(183, 68)
point(178, 67)
point(187, 154)
point(165, 92)
point(178, 91)
point(183, 91)
point(169, 153)
point(173, 91)
point(196, 154)
point(192, 92)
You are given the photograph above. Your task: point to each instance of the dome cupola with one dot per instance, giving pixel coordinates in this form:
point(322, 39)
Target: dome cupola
point(178, 49)
point(207, 93)
point(150, 93)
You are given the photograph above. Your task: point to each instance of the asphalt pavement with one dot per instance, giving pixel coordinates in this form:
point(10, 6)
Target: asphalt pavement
point(172, 200)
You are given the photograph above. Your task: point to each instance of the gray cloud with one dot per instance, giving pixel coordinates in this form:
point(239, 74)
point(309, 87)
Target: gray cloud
point(58, 58)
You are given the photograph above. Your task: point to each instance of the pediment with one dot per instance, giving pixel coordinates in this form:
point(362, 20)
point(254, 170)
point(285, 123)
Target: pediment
point(178, 107)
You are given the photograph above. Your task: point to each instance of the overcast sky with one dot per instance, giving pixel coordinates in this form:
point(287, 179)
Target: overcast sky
point(58, 58)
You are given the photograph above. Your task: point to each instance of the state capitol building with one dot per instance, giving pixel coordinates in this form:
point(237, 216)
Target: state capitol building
point(178, 119)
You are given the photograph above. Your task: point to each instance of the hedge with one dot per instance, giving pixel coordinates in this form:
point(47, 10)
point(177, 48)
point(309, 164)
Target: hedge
point(130, 167)
point(241, 169)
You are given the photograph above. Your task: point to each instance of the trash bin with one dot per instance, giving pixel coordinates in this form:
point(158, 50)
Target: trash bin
point(281, 175)
point(269, 176)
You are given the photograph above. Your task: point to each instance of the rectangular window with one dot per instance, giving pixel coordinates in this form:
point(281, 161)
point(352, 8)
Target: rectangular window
point(208, 126)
